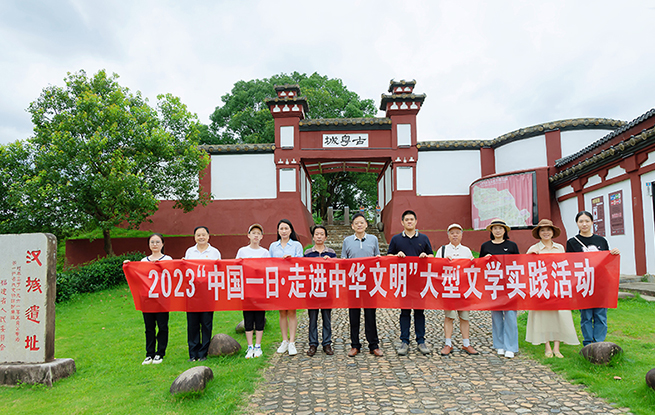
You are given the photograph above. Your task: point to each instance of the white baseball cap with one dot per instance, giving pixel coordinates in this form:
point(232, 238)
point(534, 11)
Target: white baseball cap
point(454, 225)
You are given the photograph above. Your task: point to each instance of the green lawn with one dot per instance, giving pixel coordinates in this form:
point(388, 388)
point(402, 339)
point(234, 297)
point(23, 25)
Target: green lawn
point(105, 336)
point(631, 326)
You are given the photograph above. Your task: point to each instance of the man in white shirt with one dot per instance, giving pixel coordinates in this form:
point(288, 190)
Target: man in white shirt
point(455, 250)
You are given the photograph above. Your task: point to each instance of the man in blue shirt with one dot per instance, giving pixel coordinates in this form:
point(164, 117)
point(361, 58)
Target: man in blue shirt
point(362, 245)
point(411, 243)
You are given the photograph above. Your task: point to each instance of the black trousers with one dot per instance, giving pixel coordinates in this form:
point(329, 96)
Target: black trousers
point(370, 328)
point(197, 323)
point(156, 344)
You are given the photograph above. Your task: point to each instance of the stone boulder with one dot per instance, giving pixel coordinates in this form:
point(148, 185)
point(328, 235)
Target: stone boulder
point(624, 295)
point(650, 378)
point(192, 380)
point(600, 353)
point(223, 345)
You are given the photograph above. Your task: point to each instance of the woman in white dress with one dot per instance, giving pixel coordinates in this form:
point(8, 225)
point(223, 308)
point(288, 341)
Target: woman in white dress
point(545, 326)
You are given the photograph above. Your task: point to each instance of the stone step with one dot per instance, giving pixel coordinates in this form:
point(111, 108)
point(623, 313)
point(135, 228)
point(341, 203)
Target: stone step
point(337, 233)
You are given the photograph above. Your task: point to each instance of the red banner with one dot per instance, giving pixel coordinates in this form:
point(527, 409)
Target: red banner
point(506, 282)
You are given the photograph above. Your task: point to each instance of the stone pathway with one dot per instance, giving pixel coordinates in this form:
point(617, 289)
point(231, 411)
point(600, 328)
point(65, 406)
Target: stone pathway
point(455, 385)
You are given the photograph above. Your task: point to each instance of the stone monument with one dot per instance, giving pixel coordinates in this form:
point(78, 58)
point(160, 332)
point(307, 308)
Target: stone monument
point(28, 283)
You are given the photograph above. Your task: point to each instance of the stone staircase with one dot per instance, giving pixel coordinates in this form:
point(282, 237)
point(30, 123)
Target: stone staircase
point(336, 234)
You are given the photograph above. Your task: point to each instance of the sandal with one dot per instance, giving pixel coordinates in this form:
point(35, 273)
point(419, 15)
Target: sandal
point(559, 355)
point(549, 354)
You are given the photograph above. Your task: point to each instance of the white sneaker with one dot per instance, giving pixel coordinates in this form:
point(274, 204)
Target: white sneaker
point(157, 360)
point(292, 349)
point(501, 352)
point(250, 353)
point(257, 352)
point(147, 361)
point(284, 346)
point(509, 354)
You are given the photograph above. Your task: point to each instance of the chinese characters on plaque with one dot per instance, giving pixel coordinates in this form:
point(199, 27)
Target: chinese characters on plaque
point(345, 140)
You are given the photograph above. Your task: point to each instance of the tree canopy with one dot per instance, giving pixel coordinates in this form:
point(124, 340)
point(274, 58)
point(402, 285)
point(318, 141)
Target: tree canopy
point(101, 156)
point(244, 117)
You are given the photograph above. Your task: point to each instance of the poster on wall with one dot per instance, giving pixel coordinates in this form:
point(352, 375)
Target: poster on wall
point(598, 212)
point(616, 213)
point(512, 198)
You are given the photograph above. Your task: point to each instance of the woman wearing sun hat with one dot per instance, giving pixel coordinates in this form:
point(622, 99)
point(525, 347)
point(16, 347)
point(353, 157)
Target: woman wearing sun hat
point(504, 329)
point(545, 326)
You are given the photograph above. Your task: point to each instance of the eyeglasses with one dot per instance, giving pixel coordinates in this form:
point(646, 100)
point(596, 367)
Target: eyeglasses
point(155, 242)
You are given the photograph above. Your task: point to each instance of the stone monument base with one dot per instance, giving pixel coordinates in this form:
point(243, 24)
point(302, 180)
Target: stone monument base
point(13, 373)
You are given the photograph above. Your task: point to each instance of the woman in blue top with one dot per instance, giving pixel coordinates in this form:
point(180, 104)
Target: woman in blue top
point(286, 246)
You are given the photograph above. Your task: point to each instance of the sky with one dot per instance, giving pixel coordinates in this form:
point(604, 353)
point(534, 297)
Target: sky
point(487, 68)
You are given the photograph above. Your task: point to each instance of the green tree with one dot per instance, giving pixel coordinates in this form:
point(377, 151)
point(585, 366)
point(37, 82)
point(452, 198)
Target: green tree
point(102, 157)
point(244, 117)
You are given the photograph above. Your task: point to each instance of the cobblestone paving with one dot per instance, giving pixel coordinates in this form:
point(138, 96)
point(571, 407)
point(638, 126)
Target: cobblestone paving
point(415, 384)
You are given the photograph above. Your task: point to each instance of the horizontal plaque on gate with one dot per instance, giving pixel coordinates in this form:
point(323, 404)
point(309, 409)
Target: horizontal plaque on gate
point(345, 140)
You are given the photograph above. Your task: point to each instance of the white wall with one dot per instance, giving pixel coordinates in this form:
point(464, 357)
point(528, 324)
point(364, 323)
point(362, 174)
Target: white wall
point(624, 242)
point(649, 223)
point(243, 176)
point(521, 155)
point(568, 209)
point(387, 185)
point(574, 141)
point(446, 172)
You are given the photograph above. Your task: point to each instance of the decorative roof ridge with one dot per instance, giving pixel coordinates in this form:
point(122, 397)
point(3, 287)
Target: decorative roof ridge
point(286, 86)
point(404, 96)
point(340, 121)
point(393, 83)
point(238, 148)
point(625, 126)
point(626, 147)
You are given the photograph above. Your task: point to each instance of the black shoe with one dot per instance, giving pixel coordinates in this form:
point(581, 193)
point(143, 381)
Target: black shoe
point(193, 359)
point(202, 359)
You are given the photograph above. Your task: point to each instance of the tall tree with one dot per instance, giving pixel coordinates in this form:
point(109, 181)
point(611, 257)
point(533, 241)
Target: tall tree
point(244, 117)
point(101, 156)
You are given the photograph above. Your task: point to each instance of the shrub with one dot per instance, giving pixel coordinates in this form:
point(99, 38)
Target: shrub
point(94, 276)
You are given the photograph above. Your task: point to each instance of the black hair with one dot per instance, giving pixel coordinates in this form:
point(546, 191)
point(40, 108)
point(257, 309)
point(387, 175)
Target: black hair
point(357, 215)
point(200, 227)
point(288, 222)
point(408, 212)
point(585, 213)
point(160, 237)
point(319, 227)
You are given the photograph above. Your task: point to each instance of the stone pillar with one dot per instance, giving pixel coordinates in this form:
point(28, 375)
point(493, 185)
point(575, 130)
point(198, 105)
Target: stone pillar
point(28, 278)
point(330, 216)
point(346, 215)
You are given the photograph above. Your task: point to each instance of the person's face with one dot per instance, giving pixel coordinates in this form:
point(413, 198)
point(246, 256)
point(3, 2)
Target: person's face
point(584, 224)
point(409, 222)
point(255, 235)
point(359, 225)
point(546, 233)
point(498, 231)
point(156, 244)
point(201, 236)
point(455, 236)
point(284, 230)
point(319, 236)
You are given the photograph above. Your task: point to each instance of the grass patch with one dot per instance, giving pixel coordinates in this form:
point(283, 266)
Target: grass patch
point(105, 335)
point(631, 326)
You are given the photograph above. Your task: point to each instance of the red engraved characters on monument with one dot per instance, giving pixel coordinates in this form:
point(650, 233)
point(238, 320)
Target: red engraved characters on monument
point(31, 343)
point(33, 256)
point(32, 314)
point(33, 285)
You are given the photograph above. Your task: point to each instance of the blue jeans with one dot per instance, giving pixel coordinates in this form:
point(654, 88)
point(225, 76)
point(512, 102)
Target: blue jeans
point(326, 315)
point(504, 330)
point(419, 325)
point(593, 325)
